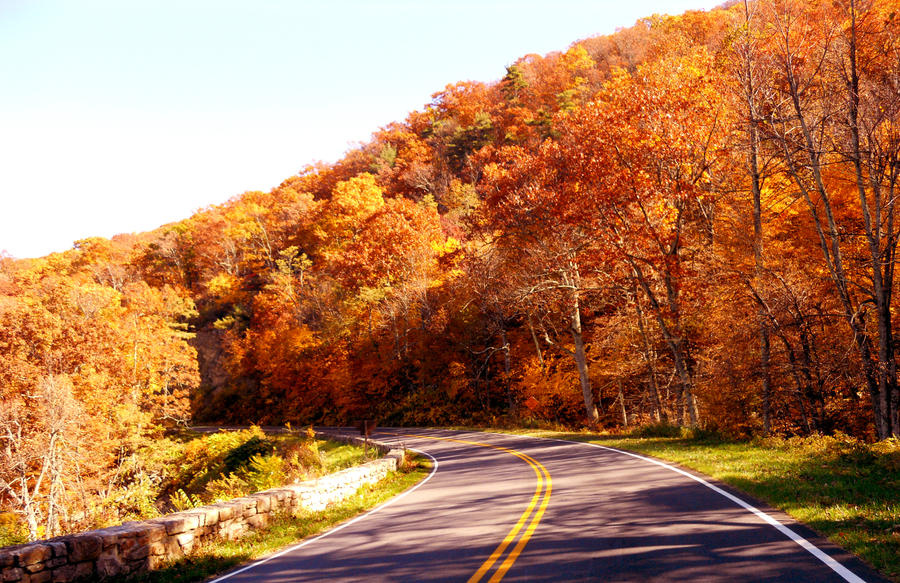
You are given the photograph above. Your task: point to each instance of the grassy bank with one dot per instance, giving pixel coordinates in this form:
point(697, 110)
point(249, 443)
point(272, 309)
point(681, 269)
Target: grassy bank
point(217, 557)
point(185, 469)
point(844, 489)
point(229, 464)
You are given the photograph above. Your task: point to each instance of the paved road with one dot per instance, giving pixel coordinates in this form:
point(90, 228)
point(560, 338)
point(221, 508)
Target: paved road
point(523, 509)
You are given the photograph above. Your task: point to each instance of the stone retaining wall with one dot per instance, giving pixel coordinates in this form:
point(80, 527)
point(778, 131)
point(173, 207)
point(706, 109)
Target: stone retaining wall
point(144, 545)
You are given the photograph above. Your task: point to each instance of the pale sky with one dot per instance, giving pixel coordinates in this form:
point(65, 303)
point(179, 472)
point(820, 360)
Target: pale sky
point(120, 116)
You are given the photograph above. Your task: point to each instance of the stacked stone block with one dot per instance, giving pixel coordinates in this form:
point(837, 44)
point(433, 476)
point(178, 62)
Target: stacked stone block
point(144, 545)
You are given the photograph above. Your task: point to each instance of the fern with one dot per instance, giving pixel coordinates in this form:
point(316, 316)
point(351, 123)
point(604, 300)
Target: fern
point(181, 500)
point(265, 472)
point(227, 487)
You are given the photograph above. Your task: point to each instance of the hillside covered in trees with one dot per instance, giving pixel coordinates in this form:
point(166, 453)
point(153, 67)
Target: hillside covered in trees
point(691, 220)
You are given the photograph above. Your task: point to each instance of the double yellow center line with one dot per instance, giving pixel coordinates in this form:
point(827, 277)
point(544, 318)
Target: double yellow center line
point(531, 516)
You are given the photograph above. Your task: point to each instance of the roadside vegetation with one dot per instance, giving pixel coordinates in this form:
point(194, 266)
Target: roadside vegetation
point(845, 489)
point(230, 464)
point(218, 556)
point(188, 469)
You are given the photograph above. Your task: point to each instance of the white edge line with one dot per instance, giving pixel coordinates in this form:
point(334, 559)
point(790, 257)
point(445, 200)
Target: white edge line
point(815, 551)
point(336, 529)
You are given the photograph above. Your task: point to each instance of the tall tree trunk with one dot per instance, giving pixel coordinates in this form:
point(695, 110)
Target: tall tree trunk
point(621, 400)
point(800, 371)
point(764, 349)
point(650, 356)
point(881, 281)
point(750, 93)
point(537, 344)
point(581, 362)
point(506, 371)
point(674, 337)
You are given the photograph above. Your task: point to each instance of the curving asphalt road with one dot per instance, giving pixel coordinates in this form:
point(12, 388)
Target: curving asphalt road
point(526, 509)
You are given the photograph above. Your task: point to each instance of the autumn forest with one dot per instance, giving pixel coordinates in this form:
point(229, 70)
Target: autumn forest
point(691, 221)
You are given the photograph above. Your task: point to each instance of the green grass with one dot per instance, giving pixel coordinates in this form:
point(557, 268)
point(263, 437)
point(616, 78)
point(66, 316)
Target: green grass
point(339, 456)
point(846, 490)
point(218, 556)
